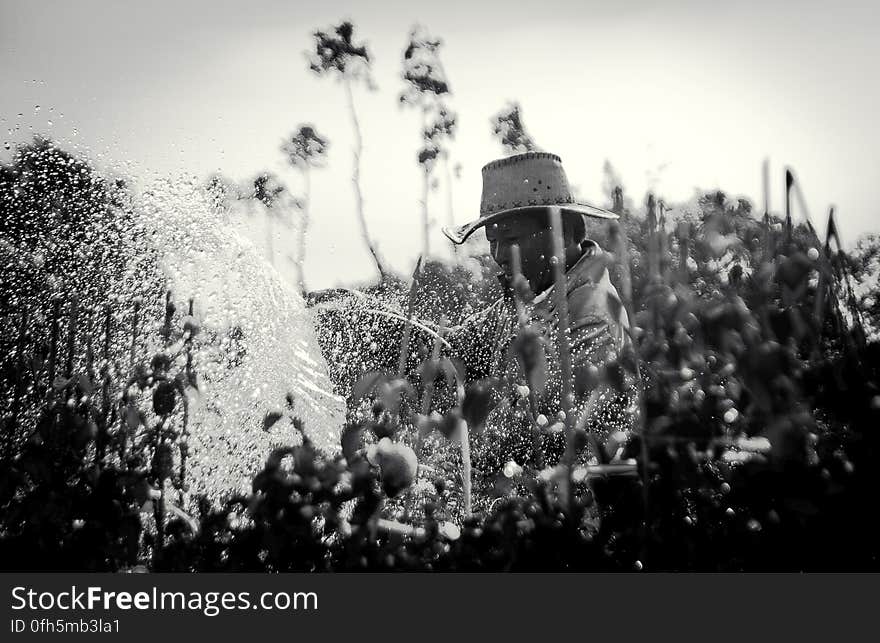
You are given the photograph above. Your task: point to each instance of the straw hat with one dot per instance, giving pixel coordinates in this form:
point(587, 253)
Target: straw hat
point(524, 182)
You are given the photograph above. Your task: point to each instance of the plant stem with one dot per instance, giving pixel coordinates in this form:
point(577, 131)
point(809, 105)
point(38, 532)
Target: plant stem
point(428, 397)
point(562, 332)
point(450, 211)
point(107, 319)
point(9, 445)
point(356, 178)
point(104, 424)
point(301, 252)
point(159, 515)
point(270, 246)
point(626, 297)
point(134, 332)
point(522, 320)
point(426, 228)
point(90, 351)
point(71, 334)
point(466, 468)
point(184, 445)
point(53, 343)
point(426, 179)
point(789, 181)
point(407, 329)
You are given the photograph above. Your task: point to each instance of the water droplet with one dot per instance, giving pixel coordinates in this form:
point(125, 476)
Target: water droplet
point(36, 108)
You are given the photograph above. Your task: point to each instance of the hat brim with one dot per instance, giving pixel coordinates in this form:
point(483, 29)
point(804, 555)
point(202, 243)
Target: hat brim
point(460, 234)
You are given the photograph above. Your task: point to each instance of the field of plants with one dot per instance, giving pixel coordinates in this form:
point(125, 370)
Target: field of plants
point(754, 443)
point(753, 440)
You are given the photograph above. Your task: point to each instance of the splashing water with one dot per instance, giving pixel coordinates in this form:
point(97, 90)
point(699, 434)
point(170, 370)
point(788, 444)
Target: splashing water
point(261, 341)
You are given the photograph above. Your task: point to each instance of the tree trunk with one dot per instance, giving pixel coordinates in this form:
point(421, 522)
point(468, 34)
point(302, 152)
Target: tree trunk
point(426, 228)
point(356, 179)
point(426, 179)
point(450, 212)
point(270, 246)
point(301, 251)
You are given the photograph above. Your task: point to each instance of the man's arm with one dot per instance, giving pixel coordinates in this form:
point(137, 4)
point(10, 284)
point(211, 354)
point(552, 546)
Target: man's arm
point(597, 338)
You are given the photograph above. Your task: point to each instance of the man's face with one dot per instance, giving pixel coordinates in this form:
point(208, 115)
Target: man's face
point(531, 233)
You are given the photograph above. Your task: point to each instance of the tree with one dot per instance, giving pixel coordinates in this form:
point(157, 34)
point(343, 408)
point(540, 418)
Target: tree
point(305, 150)
point(863, 263)
point(268, 191)
point(337, 55)
point(426, 86)
point(508, 127)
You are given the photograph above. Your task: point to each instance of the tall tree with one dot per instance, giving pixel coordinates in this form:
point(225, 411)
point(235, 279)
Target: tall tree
point(335, 54)
point(269, 191)
point(426, 88)
point(306, 149)
point(508, 127)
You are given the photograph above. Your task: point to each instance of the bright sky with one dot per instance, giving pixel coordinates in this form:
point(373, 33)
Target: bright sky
point(677, 95)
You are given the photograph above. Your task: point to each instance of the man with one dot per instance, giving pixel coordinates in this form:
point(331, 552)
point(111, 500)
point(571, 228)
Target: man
point(518, 193)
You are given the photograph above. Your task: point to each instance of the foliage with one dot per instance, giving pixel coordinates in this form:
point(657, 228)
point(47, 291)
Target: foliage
point(426, 89)
point(68, 234)
point(864, 264)
point(756, 452)
point(336, 52)
point(268, 189)
point(306, 148)
point(755, 444)
point(508, 127)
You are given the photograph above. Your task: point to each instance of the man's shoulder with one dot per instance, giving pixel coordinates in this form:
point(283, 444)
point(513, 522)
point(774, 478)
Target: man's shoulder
point(590, 291)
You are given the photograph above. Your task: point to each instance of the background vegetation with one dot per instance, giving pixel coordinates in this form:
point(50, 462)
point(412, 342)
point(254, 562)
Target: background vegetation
point(754, 447)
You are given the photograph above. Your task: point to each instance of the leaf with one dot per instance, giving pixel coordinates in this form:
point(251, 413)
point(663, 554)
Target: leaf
point(191, 522)
point(366, 385)
point(271, 417)
point(61, 383)
point(528, 346)
point(132, 417)
point(163, 462)
point(140, 491)
point(453, 372)
point(479, 400)
point(393, 390)
point(352, 441)
point(449, 426)
point(428, 370)
point(140, 376)
point(385, 429)
point(164, 398)
point(85, 384)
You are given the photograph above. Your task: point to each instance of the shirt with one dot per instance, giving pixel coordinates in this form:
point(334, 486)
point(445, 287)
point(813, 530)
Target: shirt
point(486, 344)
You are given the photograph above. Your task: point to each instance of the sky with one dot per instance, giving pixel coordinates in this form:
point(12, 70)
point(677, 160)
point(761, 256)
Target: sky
point(676, 95)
